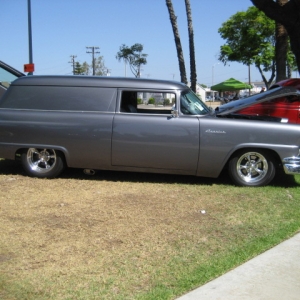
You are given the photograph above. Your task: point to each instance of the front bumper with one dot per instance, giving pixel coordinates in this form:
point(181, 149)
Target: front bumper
point(291, 165)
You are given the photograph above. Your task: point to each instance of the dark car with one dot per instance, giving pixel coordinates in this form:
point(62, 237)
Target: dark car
point(287, 106)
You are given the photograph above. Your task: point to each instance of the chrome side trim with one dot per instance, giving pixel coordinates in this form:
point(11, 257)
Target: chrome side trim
point(291, 165)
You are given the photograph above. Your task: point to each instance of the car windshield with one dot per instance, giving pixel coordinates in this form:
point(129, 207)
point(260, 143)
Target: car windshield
point(190, 104)
point(6, 78)
point(8, 74)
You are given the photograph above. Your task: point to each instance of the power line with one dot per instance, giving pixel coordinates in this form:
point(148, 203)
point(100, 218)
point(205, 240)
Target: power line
point(93, 53)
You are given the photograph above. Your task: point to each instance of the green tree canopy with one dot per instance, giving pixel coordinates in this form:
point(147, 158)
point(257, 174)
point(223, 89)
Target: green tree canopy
point(134, 57)
point(286, 13)
point(86, 69)
point(250, 39)
point(100, 68)
point(78, 69)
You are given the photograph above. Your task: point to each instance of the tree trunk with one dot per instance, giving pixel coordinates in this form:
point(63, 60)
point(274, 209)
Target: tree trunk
point(281, 48)
point(268, 83)
point(289, 16)
point(173, 19)
point(192, 46)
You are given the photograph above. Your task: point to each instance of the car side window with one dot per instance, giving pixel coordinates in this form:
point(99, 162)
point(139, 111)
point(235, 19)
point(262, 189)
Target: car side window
point(129, 101)
point(146, 102)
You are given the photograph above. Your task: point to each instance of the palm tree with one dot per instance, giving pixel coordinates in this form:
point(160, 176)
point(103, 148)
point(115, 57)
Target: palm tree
point(192, 46)
point(173, 19)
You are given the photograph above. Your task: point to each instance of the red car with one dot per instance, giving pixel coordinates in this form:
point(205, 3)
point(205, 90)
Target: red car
point(285, 105)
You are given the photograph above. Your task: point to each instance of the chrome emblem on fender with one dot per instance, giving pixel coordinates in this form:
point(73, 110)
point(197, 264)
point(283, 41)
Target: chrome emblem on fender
point(215, 131)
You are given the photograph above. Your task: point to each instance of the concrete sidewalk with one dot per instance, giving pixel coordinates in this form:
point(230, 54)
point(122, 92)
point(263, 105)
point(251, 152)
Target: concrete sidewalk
point(273, 275)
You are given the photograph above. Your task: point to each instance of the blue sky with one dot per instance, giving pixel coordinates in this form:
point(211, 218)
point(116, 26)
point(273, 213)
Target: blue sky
point(61, 28)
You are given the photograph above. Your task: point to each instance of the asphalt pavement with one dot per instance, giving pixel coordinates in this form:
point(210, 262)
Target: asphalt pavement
point(273, 275)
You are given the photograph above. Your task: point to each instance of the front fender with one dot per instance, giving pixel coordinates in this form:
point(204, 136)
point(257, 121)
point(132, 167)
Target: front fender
point(220, 138)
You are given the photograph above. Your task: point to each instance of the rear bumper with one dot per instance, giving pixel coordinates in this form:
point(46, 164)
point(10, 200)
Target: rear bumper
point(291, 165)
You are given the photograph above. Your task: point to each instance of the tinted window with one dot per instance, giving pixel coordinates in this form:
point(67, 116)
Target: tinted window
point(60, 98)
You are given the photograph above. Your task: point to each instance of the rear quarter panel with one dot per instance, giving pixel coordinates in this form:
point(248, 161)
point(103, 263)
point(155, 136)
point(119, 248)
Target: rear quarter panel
point(84, 137)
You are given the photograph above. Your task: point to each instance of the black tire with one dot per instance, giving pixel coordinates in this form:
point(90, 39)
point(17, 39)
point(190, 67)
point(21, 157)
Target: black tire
point(252, 168)
point(42, 163)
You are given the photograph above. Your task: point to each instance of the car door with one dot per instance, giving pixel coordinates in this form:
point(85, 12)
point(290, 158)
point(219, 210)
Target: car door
point(153, 139)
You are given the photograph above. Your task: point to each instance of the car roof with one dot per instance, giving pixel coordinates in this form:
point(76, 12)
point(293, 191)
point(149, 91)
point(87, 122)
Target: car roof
point(98, 81)
point(295, 82)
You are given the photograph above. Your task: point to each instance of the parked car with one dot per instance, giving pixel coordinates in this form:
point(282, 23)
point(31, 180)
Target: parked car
point(95, 123)
point(285, 106)
point(7, 75)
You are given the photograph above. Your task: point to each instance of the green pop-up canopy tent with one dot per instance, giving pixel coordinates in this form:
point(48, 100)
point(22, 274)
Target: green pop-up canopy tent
point(230, 84)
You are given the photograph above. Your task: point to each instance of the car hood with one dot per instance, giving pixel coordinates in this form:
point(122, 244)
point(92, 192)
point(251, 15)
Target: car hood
point(234, 106)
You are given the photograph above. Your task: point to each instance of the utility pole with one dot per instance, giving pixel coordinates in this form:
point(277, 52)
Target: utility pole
point(93, 53)
point(73, 62)
point(249, 78)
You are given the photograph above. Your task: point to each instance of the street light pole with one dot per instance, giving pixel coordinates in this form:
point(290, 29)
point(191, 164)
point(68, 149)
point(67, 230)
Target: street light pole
point(212, 79)
point(249, 78)
point(29, 35)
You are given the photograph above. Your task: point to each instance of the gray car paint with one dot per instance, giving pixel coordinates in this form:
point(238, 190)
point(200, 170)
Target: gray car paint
point(112, 140)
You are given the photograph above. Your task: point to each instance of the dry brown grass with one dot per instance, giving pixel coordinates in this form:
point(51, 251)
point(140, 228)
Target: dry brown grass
point(113, 235)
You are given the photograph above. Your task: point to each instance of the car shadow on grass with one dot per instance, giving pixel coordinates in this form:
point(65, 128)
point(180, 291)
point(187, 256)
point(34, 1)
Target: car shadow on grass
point(10, 167)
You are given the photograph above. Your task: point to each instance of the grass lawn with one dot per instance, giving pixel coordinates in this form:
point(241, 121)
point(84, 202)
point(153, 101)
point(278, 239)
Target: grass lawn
point(132, 236)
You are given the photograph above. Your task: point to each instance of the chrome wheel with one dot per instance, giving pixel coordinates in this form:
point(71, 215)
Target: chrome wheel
point(252, 167)
point(41, 160)
point(42, 163)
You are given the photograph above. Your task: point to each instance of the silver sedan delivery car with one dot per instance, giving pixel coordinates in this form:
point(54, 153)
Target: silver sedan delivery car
point(140, 125)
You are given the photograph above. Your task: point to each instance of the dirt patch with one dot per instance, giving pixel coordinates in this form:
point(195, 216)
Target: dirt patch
point(114, 233)
point(95, 223)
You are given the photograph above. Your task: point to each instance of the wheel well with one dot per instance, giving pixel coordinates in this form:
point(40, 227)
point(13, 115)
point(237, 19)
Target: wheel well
point(272, 153)
point(19, 153)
